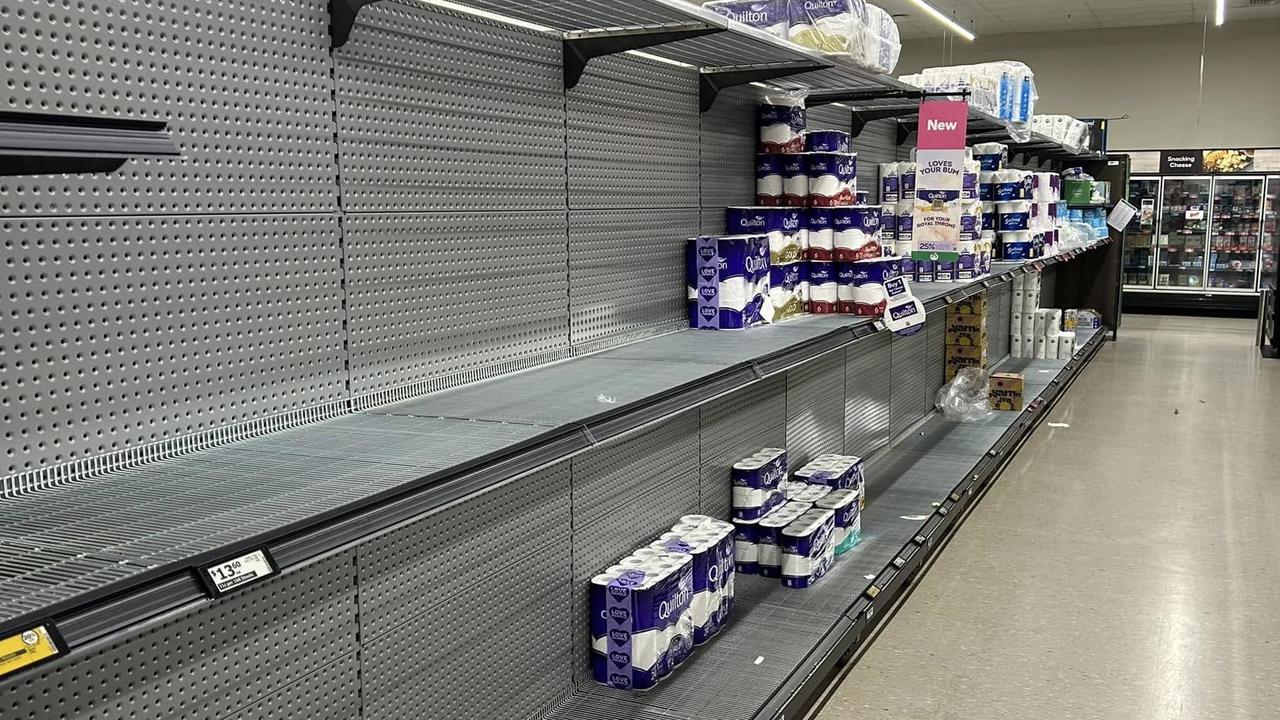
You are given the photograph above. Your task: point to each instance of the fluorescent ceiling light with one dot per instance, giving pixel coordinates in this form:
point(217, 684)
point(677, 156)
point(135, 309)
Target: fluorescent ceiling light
point(490, 16)
point(658, 58)
point(955, 27)
point(1220, 12)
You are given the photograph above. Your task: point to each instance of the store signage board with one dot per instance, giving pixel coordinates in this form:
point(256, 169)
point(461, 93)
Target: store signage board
point(234, 573)
point(940, 151)
point(1212, 162)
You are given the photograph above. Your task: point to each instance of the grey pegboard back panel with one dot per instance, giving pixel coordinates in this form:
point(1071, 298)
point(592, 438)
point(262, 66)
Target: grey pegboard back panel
point(330, 693)
point(878, 143)
point(462, 660)
point(908, 371)
point(866, 395)
point(207, 663)
point(815, 408)
point(633, 135)
point(445, 298)
point(244, 86)
point(734, 427)
point(935, 364)
point(627, 273)
point(998, 325)
point(730, 138)
point(461, 549)
point(613, 475)
point(121, 332)
point(439, 110)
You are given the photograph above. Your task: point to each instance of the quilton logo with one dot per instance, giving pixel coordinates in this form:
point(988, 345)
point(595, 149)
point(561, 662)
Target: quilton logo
point(791, 221)
point(902, 311)
point(822, 4)
point(755, 263)
point(751, 222)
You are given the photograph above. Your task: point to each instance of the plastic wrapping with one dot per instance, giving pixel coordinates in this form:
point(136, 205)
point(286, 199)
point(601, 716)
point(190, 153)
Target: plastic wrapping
point(1071, 133)
point(767, 15)
point(967, 398)
point(864, 33)
point(782, 121)
point(1075, 234)
point(1005, 89)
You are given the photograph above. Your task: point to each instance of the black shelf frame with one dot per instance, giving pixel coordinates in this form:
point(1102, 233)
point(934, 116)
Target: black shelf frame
point(43, 144)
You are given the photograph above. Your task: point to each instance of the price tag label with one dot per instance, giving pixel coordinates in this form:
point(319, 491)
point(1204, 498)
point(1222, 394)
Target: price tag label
point(223, 577)
point(29, 647)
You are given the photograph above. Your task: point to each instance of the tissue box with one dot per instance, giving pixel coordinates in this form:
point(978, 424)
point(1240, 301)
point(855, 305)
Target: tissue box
point(974, 305)
point(965, 329)
point(1077, 192)
point(960, 357)
point(1006, 391)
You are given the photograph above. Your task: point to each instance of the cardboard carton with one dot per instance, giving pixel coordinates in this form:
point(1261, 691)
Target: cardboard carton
point(1006, 391)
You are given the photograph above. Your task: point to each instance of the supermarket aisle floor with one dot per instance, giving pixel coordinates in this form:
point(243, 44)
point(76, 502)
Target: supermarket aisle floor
point(1124, 567)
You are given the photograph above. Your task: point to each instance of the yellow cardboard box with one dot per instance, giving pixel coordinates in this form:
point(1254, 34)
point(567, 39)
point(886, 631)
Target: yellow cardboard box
point(963, 356)
point(966, 329)
point(976, 305)
point(1006, 391)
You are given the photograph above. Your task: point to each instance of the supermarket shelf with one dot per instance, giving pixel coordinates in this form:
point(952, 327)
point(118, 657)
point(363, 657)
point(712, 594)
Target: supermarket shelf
point(783, 646)
point(42, 144)
point(127, 545)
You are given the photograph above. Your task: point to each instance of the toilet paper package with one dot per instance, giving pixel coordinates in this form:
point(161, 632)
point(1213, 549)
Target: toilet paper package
point(967, 266)
point(769, 180)
point(795, 180)
point(1015, 215)
point(823, 288)
point(990, 219)
point(641, 619)
point(827, 141)
point(830, 26)
point(710, 545)
point(987, 186)
point(781, 118)
point(970, 221)
point(880, 43)
point(808, 551)
point(856, 232)
point(1041, 347)
point(1042, 218)
point(906, 181)
point(762, 471)
point(768, 536)
point(1015, 321)
point(1052, 321)
point(1066, 345)
point(906, 222)
point(889, 192)
point(969, 180)
point(788, 291)
point(1051, 346)
point(1046, 187)
point(925, 270)
point(1015, 245)
point(783, 226)
point(746, 550)
point(845, 505)
point(1012, 185)
point(837, 472)
point(754, 503)
point(820, 238)
point(1040, 323)
point(768, 15)
point(811, 493)
point(888, 226)
point(991, 156)
point(832, 178)
point(728, 281)
point(861, 285)
point(791, 489)
point(1028, 326)
point(1015, 346)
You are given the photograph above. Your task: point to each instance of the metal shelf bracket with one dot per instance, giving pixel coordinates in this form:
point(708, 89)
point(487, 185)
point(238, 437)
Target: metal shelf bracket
point(342, 17)
point(714, 79)
point(580, 46)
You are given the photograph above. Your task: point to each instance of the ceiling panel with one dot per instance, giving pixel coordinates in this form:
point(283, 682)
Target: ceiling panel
point(995, 17)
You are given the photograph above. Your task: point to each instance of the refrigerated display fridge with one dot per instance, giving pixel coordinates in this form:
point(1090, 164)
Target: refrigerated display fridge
point(1138, 258)
point(1183, 234)
point(1269, 255)
point(1235, 222)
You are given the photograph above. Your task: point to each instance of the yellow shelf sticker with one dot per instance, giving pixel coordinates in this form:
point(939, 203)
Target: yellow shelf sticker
point(26, 648)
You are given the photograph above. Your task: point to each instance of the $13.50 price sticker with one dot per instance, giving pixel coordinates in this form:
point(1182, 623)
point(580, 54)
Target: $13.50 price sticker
point(228, 575)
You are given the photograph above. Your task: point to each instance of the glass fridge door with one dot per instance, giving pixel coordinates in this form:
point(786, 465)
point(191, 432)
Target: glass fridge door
point(1234, 232)
point(1138, 257)
point(1183, 232)
point(1270, 255)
